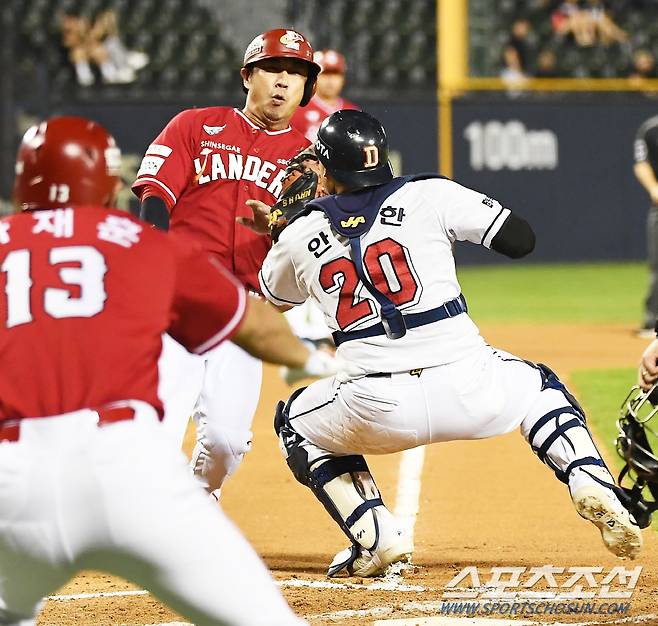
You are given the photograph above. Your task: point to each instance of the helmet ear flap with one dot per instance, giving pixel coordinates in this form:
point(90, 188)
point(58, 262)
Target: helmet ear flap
point(310, 86)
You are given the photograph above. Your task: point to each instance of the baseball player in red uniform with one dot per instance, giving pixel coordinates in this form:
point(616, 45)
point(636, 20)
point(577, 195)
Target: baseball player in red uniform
point(327, 98)
point(195, 180)
point(86, 293)
point(307, 321)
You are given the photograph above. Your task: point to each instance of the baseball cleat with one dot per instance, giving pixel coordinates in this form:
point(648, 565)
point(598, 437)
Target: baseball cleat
point(619, 531)
point(358, 561)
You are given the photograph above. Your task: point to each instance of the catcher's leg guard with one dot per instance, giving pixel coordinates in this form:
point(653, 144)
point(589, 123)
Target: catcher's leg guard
point(557, 431)
point(343, 484)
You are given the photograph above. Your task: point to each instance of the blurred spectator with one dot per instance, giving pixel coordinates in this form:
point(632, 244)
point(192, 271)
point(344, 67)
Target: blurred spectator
point(99, 44)
point(522, 40)
point(644, 65)
point(570, 19)
point(512, 72)
point(327, 98)
point(645, 150)
point(125, 62)
point(547, 64)
point(75, 39)
point(606, 28)
point(589, 24)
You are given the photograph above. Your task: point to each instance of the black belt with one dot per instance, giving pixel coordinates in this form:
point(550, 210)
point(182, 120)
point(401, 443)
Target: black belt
point(413, 320)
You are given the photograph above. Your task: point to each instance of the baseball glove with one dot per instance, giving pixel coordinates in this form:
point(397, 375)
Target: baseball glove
point(303, 182)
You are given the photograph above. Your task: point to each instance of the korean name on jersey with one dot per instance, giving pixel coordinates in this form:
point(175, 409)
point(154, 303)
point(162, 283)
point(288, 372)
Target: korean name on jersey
point(407, 254)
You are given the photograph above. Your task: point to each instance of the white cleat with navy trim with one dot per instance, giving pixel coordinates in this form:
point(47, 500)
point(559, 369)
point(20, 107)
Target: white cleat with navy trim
point(619, 531)
point(358, 561)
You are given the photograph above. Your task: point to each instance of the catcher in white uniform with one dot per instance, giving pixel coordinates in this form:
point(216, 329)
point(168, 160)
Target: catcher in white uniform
point(377, 259)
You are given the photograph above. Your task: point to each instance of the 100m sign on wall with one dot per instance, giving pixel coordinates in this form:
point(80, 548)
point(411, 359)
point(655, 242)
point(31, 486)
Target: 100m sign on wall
point(496, 145)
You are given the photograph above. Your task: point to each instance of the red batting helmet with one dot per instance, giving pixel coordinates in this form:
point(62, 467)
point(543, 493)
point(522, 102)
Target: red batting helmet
point(65, 161)
point(282, 42)
point(330, 61)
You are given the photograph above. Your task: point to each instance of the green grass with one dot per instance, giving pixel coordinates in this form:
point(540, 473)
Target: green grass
point(601, 393)
point(593, 292)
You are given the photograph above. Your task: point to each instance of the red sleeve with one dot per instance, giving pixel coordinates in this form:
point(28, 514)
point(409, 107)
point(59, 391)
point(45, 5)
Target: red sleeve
point(209, 303)
point(298, 121)
point(350, 105)
point(168, 163)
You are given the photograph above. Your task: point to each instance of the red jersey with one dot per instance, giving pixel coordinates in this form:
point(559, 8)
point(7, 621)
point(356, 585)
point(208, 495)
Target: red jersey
point(205, 165)
point(307, 120)
point(85, 295)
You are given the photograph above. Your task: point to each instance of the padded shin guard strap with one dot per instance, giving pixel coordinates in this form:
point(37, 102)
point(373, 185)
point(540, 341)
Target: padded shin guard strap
point(347, 491)
point(569, 430)
point(357, 513)
point(339, 465)
point(542, 421)
point(343, 484)
point(550, 380)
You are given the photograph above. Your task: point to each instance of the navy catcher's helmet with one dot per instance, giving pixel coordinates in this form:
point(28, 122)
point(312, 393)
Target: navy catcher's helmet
point(353, 148)
point(634, 447)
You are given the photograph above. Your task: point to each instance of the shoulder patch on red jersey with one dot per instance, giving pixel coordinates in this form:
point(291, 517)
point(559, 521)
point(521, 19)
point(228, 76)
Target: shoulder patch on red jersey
point(213, 130)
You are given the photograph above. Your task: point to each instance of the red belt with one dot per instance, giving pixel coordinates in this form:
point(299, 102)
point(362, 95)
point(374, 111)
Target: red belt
point(10, 430)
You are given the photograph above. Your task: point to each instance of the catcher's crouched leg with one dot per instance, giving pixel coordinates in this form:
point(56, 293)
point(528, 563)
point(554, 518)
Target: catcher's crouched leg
point(347, 490)
point(558, 434)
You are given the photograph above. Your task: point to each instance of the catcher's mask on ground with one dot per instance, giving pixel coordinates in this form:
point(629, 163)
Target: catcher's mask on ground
point(283, 43)
point(353, 148)
point(66, 161)
point(636, 432)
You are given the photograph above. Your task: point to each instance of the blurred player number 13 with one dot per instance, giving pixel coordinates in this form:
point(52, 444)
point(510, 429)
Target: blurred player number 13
point(57, 303)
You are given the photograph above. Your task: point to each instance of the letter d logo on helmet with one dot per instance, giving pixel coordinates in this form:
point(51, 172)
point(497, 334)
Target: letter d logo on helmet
point(371, 156)
point(353, 148)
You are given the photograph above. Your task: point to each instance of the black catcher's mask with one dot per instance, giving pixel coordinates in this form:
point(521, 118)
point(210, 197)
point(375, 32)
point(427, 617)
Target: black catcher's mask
point(641, 469)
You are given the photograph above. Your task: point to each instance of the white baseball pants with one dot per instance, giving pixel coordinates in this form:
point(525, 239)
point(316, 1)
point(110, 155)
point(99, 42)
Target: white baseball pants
point(75, 495)
point(489, 393)
point(220, 390)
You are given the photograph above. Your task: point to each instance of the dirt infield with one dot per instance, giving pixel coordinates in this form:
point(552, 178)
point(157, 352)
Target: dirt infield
point(486, 503)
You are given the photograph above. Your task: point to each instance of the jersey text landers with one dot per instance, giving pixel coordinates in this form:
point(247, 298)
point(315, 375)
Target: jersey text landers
point(205, 164)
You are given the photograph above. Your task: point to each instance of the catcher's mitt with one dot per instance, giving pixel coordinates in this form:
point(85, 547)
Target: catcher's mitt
point(303, 181)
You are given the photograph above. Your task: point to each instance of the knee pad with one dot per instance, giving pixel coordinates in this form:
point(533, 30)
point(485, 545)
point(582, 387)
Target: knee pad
point(557, 431)
point(343, 484)
point(550, 380)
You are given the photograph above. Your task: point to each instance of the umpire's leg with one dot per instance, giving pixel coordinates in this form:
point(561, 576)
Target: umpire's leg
point(651, 302)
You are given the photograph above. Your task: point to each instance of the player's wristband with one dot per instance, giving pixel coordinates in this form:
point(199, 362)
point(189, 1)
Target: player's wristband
point(154, 211)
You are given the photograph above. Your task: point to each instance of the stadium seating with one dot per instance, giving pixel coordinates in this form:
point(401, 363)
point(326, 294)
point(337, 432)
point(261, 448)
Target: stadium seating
point(490, 23)
point(390, 46)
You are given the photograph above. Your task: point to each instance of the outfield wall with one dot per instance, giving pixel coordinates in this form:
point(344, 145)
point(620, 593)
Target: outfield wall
point(563, 162)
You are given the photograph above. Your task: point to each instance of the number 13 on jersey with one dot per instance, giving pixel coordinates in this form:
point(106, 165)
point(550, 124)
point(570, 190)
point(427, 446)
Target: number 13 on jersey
point(86, 278)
